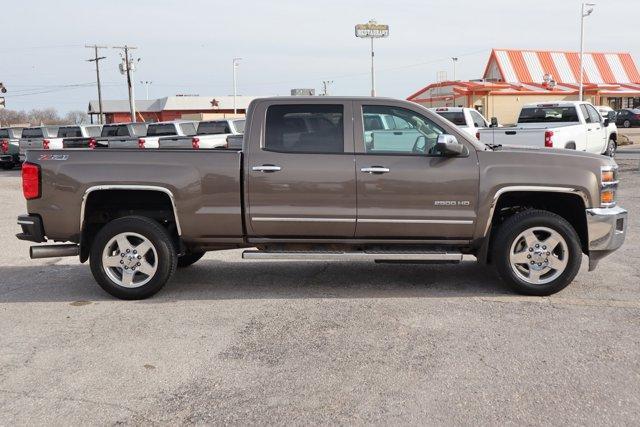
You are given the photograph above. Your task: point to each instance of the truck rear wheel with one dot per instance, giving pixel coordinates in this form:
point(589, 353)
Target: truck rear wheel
point(537, 252)
point(133, 257)
point(188, 259)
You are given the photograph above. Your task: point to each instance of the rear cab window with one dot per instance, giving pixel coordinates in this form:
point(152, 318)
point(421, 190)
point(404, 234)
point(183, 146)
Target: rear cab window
point(32, 133)
point(213, 128)
point(305, 128)
point(161, 129)
point(4, 133)
point(549, 114)
point(69, 132)
point(455, 117)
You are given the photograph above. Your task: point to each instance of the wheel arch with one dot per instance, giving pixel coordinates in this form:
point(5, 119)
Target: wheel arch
point(569, 203)
point(155, 202)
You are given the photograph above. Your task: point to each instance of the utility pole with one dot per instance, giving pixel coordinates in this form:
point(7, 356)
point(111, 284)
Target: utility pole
point(583, 14)
point(454, 59)
point(372, 30)
point(325, 87)
point(126, 67)
point(236, 62)
point(97, 60)
point(146, 84)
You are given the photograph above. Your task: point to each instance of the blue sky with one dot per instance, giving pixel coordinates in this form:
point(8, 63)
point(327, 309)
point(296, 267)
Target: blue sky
point(187, 46)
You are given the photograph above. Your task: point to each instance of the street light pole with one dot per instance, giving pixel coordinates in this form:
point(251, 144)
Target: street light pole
point(236, 62)
point(146, 84)
point(583, 14)
point(454, 59)
point(372, 30)
point(373, 73)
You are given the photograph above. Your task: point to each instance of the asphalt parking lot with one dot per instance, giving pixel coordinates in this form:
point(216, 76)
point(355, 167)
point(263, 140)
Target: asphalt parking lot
point(236, 342)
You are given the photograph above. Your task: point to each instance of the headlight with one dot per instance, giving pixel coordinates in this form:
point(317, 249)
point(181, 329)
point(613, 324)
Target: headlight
point(608, 185)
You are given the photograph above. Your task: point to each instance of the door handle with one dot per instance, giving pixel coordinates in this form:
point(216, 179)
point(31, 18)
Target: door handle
point(375, 169)
point(267, 168)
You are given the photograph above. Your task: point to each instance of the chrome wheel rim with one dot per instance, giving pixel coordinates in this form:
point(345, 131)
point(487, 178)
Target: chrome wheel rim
point(539, 255)
point(612, 149)
point(130, 260)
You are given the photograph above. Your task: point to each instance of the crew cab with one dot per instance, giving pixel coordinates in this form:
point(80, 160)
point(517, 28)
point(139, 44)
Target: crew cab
point(9, 147)
point(121, 134)
point(155, 131)
point(570, 125)
point(78, 136)
point(36, 138)
point(314, 181)
point(209, 134)
point(467, 119)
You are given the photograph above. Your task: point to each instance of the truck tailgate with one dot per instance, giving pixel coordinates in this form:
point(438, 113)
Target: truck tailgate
point(183, 142)
point(513, 136)
point(205, 185)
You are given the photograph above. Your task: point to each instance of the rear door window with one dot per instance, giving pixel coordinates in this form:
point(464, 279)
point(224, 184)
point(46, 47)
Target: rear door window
point(304, 128)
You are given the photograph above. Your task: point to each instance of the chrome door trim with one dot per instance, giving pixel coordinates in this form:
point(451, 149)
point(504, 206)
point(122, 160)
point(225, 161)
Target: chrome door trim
point(536, 188)
point(289, 219)
point(130, 187)
point(266, 168)
point(375, 169)
point(415, 221)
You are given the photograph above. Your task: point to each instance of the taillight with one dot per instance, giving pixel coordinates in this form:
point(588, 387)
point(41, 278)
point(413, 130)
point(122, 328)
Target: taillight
point(4, 146)
point(92, 143)
point(141, 143)
point(478, 136)
point(30, 181)
point(548, 138)
point(45, 144)
point(195, 143)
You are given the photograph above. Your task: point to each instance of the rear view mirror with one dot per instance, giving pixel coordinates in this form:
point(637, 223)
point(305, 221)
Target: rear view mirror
point(448, 144)
point(494, 122)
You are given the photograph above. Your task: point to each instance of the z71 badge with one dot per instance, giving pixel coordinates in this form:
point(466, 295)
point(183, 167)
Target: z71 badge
point(60, 157)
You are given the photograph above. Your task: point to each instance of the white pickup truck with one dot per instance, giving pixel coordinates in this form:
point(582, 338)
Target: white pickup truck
point(79, 136)
point(210, 134)
point(565, 124)
point(467, 119)
point(155, 131)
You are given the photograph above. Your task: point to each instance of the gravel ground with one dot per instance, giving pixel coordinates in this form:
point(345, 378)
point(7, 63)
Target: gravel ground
point(237, 342)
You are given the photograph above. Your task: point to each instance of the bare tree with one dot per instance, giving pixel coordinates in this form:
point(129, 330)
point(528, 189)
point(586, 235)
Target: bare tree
point(46, 116)
point(76, 117)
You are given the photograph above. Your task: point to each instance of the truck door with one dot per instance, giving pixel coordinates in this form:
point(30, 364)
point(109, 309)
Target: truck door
point(300, 173)
point(596, 139)
point(593, 129)
point(406, 189)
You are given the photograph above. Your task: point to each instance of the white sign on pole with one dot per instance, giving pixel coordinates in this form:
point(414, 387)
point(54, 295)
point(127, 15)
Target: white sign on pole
point(372, 30)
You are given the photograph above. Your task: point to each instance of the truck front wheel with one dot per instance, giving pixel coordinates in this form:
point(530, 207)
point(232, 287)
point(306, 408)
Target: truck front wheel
point(537, 252)
point(132, 257)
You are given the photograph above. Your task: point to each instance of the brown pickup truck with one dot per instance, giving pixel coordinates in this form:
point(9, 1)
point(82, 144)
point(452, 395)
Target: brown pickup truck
point(326, 179)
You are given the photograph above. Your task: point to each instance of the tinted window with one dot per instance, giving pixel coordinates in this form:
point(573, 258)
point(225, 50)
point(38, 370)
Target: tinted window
point(305, 128)
point(111, 130)
point(32, 133)
point(213, 128)
point(457, 118)
point(69, 132)
point(239, 125)
point(420, 137)
point(4, 133)
point(585, 113)
point(548, 115)
point(161, 129)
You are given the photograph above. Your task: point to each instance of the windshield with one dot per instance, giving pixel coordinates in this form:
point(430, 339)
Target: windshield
point(548, 115)
point(457, 118)
point(165, 129)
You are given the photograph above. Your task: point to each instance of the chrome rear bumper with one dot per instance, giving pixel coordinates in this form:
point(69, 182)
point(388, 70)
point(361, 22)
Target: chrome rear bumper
point(607, 229)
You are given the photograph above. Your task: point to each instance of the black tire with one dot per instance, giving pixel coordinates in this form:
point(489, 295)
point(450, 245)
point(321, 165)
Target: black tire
point(166, 261)
point(525, 220)
point(612, 146)
point(189, 259)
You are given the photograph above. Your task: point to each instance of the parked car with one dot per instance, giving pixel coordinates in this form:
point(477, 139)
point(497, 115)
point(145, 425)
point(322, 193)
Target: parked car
point(157, 130)
point(209, 134)
point(121, 134)
point(567, 124)
point(9, 147)
point(628, 117)
point(78, 136)
point(324, 193)
point(36, 138)
point(467, 119)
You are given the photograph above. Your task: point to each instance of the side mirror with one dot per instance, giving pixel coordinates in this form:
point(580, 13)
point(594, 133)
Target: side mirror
point(494, 122)
point(606, 122)
point(448, 144)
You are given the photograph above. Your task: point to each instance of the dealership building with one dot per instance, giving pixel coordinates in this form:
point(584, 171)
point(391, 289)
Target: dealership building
point(170, 108)
point(515, 77)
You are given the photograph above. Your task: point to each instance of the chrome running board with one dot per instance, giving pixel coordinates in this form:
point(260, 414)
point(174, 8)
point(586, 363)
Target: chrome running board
point(352, 256)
